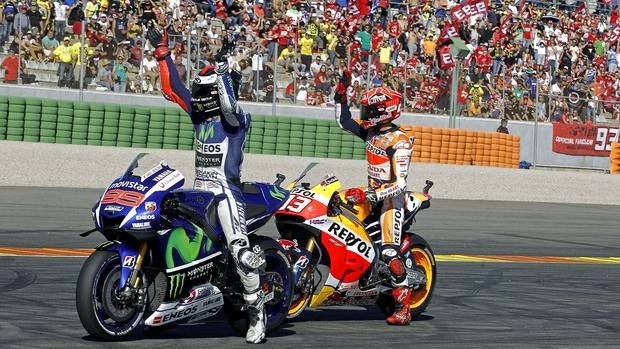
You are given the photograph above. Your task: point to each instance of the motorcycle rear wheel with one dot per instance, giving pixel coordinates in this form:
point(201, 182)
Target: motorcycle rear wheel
point(102, 314)
point(279, 267)
point(425, 260)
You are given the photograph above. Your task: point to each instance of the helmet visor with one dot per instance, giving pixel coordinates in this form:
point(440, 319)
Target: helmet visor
point(369, 112)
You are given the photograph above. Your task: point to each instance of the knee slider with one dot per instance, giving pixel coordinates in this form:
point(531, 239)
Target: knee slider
point(244, 256)
point(392, 258)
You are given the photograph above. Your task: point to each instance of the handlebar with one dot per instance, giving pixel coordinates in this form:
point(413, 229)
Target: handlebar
point(429, 185)
point(280, 178)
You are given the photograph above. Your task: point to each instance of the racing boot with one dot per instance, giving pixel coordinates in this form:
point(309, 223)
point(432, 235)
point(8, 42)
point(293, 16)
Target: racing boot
point(402, 312)
point(256, 316)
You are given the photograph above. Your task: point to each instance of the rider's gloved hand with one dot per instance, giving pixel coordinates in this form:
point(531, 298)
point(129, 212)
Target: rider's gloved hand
point(340, 94)
point(159, 40)
point(221, 57)
point(355, 196)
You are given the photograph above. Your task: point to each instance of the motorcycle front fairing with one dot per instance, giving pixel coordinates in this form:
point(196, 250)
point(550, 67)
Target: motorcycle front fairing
point(132, 205)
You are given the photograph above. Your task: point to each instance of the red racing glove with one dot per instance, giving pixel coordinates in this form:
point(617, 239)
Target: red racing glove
point(355, 196)
point(340, 93)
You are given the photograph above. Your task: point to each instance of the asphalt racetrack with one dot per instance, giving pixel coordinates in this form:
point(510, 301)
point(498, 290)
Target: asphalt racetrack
point(510, 275)
point(538, 266)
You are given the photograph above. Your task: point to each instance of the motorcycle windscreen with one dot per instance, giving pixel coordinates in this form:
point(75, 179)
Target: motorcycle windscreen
point(132, 200)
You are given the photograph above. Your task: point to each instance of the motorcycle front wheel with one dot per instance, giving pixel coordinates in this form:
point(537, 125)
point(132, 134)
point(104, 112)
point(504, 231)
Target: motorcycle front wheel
point(278, 279)
point(102, 312)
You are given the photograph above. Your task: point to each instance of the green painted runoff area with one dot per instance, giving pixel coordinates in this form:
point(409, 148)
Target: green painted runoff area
point(87, 123)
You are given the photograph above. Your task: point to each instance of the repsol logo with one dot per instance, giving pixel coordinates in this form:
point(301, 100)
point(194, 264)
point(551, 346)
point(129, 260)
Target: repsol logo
point(350, 239)
point(372, 149)
point(208, 148)
point(303, 192)
point(398, 215)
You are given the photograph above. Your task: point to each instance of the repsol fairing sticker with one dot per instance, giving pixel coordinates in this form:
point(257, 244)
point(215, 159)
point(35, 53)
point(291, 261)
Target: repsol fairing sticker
point(354, 242)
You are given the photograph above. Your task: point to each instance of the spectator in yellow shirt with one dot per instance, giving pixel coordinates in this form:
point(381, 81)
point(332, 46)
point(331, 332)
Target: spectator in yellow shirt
point(306, 43)
point(76, 54)
point(91, 8)
point(385, 53)
point(429, 46)
point(332, 41)
point(63, 55)
point(288, 59)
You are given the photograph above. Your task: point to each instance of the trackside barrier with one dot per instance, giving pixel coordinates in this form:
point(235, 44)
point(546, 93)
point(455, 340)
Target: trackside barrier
point(72, 122)
point(464, 147)
point(614, 158)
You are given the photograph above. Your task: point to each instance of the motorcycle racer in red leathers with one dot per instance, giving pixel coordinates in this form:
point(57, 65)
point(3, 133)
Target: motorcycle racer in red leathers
point(388, 154)
point(221, 127)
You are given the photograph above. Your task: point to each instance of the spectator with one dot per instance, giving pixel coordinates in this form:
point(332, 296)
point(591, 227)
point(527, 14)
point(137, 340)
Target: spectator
point(119, 74)
point(503, 126)
point(316, 65)
point(60, 18)
point(120, 25)
point(31, 46)
point(104, 75)
point(306, 43)
point(63, 55)
point(135, 54)
point(49, 44)
point(92, 7)
point(10, 65)
point(180, 66)
point(322, 83)
point(234, 13)
point(36, 18)
point(315, 97)
point(9, 10)
point(21, 22)
point(287, 59)
point(302, 91)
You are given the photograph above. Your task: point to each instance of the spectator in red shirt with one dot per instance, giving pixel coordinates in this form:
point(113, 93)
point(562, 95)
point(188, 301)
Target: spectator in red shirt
point(10, 64)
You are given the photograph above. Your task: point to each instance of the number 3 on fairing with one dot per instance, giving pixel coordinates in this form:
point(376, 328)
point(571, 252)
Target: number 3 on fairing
point(296, 203)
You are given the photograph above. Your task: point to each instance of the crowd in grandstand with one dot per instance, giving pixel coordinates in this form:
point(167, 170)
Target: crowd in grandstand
point(504, 55)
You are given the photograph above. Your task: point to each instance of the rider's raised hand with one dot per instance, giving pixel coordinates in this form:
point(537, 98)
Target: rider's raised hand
point(340, 94)
point(158, 39)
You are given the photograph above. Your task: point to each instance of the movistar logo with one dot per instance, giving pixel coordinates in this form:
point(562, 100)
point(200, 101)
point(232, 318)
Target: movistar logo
point(206, 131)
point(175, 283)
point(277, 193)
point(187, 249)
point(104, 245)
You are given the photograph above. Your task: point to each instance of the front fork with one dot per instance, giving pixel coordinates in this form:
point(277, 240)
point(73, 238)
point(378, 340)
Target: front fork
point(130, 286)
point(302, 261)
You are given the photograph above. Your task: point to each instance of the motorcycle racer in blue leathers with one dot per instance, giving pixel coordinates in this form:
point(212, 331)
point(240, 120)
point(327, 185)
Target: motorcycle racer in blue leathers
point(221, 127)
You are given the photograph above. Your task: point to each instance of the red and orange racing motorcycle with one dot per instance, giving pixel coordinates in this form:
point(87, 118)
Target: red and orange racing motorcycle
point(334, 246)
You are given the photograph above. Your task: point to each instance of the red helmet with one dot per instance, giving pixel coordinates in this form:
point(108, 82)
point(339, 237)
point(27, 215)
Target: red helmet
point(380, 105)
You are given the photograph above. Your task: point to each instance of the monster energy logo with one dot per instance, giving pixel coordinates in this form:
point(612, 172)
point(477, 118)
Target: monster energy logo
point(276, 193)
point(206, 132)
point(176, 282)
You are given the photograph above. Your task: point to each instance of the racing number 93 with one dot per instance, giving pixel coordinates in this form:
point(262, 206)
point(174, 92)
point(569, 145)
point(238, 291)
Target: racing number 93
point(122, 197)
